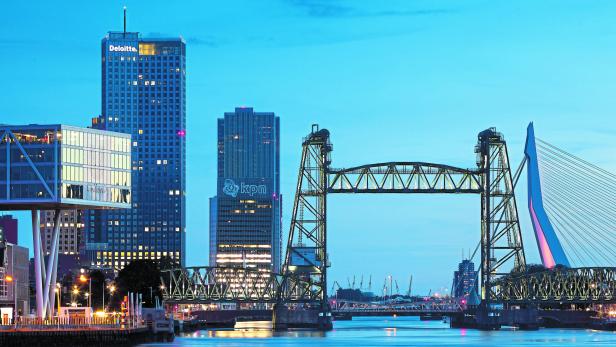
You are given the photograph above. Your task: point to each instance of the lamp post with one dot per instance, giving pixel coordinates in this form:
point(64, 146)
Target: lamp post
point(112, 289)
point(10, 279)
point(58, 288)
point(75, 295)
point(85, 279)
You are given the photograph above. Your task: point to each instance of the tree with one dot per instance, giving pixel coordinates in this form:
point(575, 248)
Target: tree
point(140, 276)
point(98, 285)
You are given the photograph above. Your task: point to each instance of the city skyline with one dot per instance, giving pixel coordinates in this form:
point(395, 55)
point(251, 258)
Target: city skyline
point(389, 85)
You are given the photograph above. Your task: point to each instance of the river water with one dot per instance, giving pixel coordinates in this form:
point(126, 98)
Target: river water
point(400, 331)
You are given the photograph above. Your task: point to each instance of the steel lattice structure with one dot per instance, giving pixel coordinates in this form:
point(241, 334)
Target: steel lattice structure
point(232, 284)
point(501, 238)
point(501, 241)
point(404, 177)
point(423, 306)
point(562, 285)
point(304, 275)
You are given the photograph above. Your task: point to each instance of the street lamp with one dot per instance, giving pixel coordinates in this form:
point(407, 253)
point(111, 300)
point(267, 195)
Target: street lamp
point(10, 279)
point(57, 290)
point(85, 279)
point(112, 289)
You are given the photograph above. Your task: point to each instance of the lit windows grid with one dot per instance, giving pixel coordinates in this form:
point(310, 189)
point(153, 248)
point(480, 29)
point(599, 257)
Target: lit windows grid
point(47, 148)
point(144, 94)
point(95, 166)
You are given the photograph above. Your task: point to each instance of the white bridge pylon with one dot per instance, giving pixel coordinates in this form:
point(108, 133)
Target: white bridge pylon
point(45, 276)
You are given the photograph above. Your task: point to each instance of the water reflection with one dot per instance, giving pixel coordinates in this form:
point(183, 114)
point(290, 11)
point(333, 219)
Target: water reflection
point(379, 331)
point(256, 329)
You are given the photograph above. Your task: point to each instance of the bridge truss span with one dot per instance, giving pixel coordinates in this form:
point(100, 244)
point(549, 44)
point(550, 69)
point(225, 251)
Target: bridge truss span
point(404, 177)
point(419, 307)
point(210, 284)
point(586, 285)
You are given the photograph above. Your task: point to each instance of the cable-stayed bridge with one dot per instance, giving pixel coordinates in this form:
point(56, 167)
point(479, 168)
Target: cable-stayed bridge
point(570, 202)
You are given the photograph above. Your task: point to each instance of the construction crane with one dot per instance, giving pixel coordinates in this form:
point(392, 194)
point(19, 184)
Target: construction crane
point(334, 287)
point(408, 293)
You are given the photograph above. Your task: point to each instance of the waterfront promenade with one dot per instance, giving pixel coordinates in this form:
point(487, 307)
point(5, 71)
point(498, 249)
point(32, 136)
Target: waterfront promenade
point(77, 331)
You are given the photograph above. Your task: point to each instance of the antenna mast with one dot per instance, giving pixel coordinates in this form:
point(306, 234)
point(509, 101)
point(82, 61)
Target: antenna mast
point(125, 21)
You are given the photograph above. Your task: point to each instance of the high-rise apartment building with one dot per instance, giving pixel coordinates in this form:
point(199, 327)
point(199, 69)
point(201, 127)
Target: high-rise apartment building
point(245, 216)
point(144, 94)
point(71, 232)
point(464, 280)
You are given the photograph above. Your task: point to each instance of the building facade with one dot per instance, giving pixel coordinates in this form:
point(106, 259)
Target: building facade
point(464, 280)
point(144, 94)
point(245, 215)
point(45, 167)
point(17, 291)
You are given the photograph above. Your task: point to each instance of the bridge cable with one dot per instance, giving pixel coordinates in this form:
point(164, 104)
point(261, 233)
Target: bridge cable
point(588, 223)
point(579, 199)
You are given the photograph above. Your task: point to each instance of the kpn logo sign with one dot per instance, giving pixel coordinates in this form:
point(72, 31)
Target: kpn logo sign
point(123, 48)
point(233, 189)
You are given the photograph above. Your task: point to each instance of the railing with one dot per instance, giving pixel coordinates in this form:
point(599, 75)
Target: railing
point(69, 323)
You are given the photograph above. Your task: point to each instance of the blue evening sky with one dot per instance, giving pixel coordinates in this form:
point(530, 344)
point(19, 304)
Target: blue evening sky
point(392, 80)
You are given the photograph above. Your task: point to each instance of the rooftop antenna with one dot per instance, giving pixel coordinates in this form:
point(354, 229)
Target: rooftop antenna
point(125, 21)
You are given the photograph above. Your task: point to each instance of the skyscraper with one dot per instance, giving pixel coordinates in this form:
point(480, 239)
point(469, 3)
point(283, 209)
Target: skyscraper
point(245, 216)
point(144, 94)
point(464, 280)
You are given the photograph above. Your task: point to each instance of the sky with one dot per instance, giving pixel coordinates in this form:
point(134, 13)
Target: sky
point(392, 81)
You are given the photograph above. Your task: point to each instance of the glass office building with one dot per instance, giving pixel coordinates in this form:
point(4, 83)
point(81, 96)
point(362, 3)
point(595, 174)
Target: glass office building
point(60, 166)
point(144, 94)
point(245, 216)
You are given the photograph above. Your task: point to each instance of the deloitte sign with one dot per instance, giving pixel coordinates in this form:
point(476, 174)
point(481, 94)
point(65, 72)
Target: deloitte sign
point(232, 189)
point(124, 48)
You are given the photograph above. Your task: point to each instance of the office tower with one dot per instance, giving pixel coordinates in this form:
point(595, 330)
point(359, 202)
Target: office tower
point(245, 215)
point(8, 228)
point(144, 94)
point(464, 280)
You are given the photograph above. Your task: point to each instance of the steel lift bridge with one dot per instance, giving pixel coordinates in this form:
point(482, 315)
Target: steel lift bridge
point(504, 279)
point(304, 276)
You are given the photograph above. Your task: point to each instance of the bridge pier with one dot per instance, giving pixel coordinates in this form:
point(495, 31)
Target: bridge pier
point(285, 318)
